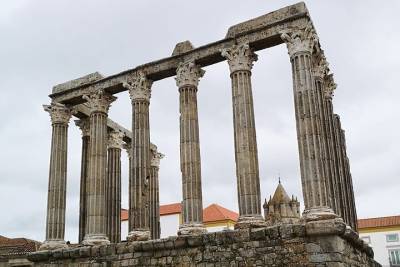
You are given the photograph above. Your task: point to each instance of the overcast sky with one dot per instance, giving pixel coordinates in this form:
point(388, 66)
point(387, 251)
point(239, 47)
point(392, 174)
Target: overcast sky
point(43, 43)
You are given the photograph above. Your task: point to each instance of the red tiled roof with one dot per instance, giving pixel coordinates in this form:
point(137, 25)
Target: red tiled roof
point(168, 209)
point(17, 245)
point(379, 222)
point(215, 212)
point(124, 215)
point(212, 213)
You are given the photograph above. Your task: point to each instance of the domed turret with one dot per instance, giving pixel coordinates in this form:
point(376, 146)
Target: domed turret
point(281, 208)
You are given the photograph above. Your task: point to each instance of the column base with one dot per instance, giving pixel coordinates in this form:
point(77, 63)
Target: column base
point(250, 221)
point(93, 240)
point(318, 213)
point(192, 229)
point(138, 235)
point(53, 244)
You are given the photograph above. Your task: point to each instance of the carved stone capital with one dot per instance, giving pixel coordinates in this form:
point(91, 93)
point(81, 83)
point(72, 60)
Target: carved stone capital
point(320, 66)
point(188, 73)
point(139, 87)
point(59, 113)
point(240, 57)
point(300, 40)
point(155, 160)
point(329, 86)
point(128, 148)
point(99, 101)
point(115, 139)
point(84, 125)
point(156, 156)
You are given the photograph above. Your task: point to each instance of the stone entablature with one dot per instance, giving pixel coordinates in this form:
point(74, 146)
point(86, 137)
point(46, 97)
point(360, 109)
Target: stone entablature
point(324, 165)
point(311, 244)
point(265, 34)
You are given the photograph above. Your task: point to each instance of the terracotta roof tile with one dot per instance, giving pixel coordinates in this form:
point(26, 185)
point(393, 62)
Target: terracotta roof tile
point(124, 215)
point(379, 222)
point(173, 208)
point(215, 212)
point(17, 245)
point(212, 213)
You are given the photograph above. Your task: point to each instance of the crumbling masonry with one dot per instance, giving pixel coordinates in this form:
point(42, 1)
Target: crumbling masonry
point(326, 235)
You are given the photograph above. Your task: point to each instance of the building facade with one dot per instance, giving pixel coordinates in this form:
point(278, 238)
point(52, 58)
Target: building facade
point(215, 217)
point(382, 234)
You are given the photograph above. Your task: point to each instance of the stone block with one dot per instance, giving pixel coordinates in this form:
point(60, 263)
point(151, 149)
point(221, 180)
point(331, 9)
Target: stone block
point(84, 251)
point(57, 253)
point(95, 251)
point(325, 227)
point(180, 242)
point(158, 244)
point(147, 245)
point(74, 253)
point(257, 234)
point(122, 248)
point(195, 240)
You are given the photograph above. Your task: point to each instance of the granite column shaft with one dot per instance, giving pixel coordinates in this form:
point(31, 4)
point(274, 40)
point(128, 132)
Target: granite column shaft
point(55, 221)
point(240, 59)
point(301, 43)
point(96, 232)
point(83, 124)
point(140, 91)
point(113, 196)
point(188, 75)
point(154, 194)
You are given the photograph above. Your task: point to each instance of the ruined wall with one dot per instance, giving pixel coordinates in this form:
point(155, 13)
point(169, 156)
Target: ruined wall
point(290, 245)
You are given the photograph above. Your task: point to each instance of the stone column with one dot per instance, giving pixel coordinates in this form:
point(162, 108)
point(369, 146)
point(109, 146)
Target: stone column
point(320, 71)
point(240, 59)
point(95, 233)
point(140, 92)
point(300, 44)
point(55, 222)
point(346, 184)
point(83, 124)
point(340, 165)
point(113, 190)
point(187, 79)
point(329, 87)
point(154, 194)
point(349, 184)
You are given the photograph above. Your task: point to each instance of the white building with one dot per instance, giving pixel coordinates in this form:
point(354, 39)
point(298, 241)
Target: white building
point(382, 234)
point(215, 218)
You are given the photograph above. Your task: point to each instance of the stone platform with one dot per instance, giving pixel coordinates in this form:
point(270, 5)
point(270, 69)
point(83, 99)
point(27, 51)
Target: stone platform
point(319, 243)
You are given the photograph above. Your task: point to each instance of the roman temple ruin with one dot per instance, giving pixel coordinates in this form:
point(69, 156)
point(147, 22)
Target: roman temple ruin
point(326, 233)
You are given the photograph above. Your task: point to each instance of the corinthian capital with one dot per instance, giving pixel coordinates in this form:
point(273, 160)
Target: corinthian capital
point(240, 57)
point(59, 113)
point(320, 65)
point(300, 40)
point(188, 73)
point(329, 86)
point(139, 87)
point(84, 125)
point(128, 148)
point(115, 139)
point(156, 156)
point(99, 101)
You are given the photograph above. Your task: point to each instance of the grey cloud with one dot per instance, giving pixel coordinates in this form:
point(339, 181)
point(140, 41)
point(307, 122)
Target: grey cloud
point(48, 42)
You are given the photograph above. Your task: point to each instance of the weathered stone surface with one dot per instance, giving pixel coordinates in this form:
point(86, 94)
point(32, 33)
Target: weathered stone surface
point(182, 47)
point(95, 76)
point(281, 246)
point(266, 20)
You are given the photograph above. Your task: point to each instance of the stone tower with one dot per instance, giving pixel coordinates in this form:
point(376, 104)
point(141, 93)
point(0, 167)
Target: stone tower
point(281, 208)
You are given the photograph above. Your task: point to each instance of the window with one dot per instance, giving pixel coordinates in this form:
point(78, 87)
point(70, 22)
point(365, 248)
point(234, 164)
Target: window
point(394, 257)
point(366, 239)
point(392, 238)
